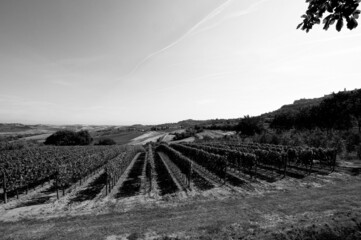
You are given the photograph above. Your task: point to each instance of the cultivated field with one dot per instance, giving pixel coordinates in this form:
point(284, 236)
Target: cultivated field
point(208, 190)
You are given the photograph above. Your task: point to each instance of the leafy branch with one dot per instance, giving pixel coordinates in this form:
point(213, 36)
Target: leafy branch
point(339, 11)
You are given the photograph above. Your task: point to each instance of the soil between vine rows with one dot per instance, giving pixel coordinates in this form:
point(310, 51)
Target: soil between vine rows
point(164, 179)
point(201, 183)
point(91, 191)
point(132, 184)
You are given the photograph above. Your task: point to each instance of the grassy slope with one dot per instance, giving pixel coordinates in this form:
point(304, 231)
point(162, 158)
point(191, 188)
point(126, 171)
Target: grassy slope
point(215, 219)
point(122, 137)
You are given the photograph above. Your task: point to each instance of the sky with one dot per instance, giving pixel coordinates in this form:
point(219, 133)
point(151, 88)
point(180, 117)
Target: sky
point(122, 62)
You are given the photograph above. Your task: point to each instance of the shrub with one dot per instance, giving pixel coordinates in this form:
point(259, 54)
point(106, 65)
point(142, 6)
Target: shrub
point(249, 126)
point(106, 141)
point(69, 138)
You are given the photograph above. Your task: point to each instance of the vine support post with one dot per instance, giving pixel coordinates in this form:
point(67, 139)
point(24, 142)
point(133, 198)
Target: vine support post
point(4, 188)
point(225, 173)
point(190, 175)
point(255, 170)
point(285, 169)
point(106, 182)
point(334, 156)
point(150, 184)
point(285, 166)
point(57, 188)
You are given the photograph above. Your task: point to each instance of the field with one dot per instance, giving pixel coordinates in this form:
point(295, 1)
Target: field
point(177, 192)
point(122, 137)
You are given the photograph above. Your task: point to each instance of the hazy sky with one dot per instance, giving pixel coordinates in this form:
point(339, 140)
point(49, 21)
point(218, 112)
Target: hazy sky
point(155, 61)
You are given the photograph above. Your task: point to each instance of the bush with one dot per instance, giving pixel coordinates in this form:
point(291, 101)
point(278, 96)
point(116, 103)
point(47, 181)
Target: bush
point(188, 133)
point(249, 126)
point(69, 138)
point(106, 141)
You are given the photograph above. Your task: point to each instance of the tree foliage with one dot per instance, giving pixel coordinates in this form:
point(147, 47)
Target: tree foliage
point(69, 138)
point(249, 126)
point(341, 111)
point(338, 11)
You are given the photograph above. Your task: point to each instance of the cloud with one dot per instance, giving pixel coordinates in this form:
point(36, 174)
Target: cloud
point(211, 15)
point(194, 30)
point(241, 13)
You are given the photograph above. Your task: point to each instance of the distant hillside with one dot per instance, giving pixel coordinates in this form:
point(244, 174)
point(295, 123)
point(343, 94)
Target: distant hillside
point(224, 124)
point(13, 127)
point(296, 106)
point(208, 123)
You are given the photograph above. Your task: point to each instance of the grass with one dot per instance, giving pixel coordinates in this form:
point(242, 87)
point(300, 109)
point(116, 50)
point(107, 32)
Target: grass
point(328, 212)
point(122, 137)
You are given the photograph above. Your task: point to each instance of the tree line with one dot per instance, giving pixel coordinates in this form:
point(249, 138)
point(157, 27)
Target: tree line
point(341, 111)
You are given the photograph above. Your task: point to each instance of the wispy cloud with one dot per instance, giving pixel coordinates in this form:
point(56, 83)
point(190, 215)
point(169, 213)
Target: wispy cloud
point(196, 29)
point(211, 15)
point(234, 15)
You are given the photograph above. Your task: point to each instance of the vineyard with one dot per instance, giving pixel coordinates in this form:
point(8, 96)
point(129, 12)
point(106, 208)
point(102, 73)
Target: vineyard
point(155, 169)
point(64, 167)
point(203, 180)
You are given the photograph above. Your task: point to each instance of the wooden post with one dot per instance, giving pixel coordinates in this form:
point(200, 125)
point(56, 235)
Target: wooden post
point(150, 180)
point(4, 188)
point(255, 171)
point(225, 173)
point(311, 164)
point(334, 156)
point(285, 169)
point(57, 188)
point(190, 175)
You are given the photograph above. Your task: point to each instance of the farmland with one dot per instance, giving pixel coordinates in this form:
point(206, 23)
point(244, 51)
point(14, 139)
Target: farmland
point(208, 178)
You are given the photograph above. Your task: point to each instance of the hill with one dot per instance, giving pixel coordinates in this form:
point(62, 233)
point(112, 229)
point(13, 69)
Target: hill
point(297, 105)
